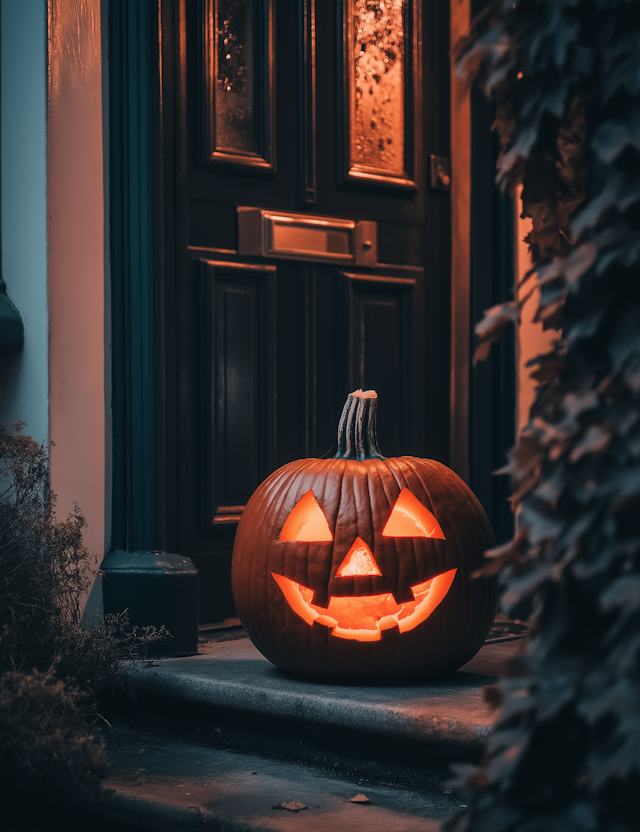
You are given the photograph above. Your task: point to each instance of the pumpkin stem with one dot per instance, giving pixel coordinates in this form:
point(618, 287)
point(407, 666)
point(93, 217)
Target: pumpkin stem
point(357, 429)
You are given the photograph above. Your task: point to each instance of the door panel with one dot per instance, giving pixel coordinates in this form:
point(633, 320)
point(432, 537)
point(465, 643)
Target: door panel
point(304, 107)
point(382, 340)
point(237, 341)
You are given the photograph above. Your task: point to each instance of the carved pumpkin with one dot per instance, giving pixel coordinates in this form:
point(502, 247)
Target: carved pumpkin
point(358, 567)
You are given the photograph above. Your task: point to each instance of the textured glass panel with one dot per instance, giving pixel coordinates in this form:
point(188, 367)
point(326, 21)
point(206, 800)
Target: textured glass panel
point(234, 71)
point(377, 129)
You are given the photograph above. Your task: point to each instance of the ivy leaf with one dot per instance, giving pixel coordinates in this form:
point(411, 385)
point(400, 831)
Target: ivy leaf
point(580, 259)
point(612, 137)
point(622, 65)
point(582, 816)
point(625, 342)
point(625, 591)
point(595, 439)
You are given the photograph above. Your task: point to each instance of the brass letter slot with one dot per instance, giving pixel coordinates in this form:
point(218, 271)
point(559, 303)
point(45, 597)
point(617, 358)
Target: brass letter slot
point(306, 237)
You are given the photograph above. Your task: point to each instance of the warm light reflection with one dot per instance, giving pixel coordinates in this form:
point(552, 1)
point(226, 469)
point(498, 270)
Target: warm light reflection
point(409, 518)
point(306, 522)
point(235, 76)
point(364, 618)
point(359, 561)
point(378, 100)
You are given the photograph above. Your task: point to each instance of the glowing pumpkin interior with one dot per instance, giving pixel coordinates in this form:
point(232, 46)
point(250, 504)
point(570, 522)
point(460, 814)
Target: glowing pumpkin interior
point(409, 518)
point(306, 522)
point(363, 618)
point(358, 561)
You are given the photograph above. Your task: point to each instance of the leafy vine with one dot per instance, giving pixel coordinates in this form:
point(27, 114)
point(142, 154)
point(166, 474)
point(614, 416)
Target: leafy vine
point(565, 754)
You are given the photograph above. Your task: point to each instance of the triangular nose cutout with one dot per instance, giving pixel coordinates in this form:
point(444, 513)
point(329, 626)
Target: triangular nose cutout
point(358, 562)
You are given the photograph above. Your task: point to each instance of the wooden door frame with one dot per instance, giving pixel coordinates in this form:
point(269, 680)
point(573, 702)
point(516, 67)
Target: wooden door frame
point(483, 419)
point(157, 587)
point(460, 18)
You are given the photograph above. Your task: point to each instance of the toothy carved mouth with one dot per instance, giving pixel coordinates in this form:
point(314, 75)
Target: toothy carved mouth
point(363, 618)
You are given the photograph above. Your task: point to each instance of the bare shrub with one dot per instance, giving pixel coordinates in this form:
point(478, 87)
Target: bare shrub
point(53, 662)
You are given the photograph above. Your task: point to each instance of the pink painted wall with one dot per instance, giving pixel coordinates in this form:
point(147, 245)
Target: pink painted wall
point(76, 265)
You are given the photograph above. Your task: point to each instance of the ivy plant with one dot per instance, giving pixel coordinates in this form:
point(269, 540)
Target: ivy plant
point(565, 753)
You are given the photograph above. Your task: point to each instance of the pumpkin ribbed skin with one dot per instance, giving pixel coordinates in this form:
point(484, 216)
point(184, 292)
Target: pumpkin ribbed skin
point(357, 497)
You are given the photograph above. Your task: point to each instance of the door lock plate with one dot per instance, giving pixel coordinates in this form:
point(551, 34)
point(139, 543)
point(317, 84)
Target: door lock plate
point(440, 179)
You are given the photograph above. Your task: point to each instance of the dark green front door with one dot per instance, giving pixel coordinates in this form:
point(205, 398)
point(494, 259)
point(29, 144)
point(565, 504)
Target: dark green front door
point(324, 109)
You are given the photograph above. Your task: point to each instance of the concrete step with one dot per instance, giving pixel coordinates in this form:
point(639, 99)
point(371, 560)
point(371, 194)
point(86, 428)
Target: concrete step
point(163, 784)
point(229, 696)
point(220, 740)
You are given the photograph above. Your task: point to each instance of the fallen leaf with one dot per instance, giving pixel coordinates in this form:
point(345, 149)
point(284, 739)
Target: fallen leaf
point(293, 806)
point(359, 798)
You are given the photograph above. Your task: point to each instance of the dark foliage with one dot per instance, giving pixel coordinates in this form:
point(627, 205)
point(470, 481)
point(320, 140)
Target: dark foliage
point(565, 755)
point(52, 668)
point(46, 747)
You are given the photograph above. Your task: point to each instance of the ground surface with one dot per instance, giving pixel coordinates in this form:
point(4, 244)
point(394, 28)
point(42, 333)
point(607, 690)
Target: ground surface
point(165, 784)
point(220, 740)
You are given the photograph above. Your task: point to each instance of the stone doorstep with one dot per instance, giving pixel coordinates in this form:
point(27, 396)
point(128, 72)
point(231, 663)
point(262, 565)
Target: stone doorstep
point(157, 782)
point(449, 714)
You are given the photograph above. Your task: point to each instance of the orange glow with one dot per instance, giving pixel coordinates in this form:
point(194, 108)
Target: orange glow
point(306, 522)
point(533, 340)
point(364, 618)
point(359, 561)
point(409, 518)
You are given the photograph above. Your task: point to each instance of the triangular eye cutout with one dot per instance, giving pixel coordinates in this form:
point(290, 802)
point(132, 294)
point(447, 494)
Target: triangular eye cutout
point(306, 522)
point(409, 518)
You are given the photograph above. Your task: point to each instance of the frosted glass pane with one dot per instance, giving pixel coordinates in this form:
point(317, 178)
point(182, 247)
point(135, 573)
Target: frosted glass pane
point(234, 82)
point(377, 128)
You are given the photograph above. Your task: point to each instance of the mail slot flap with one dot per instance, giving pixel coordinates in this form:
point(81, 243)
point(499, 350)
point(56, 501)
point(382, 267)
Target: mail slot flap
point(266, 233)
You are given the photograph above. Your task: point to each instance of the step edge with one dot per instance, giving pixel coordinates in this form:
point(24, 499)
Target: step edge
point(436, 730)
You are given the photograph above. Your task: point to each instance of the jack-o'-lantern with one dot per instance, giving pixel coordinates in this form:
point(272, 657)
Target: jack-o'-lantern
point(359, 567)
